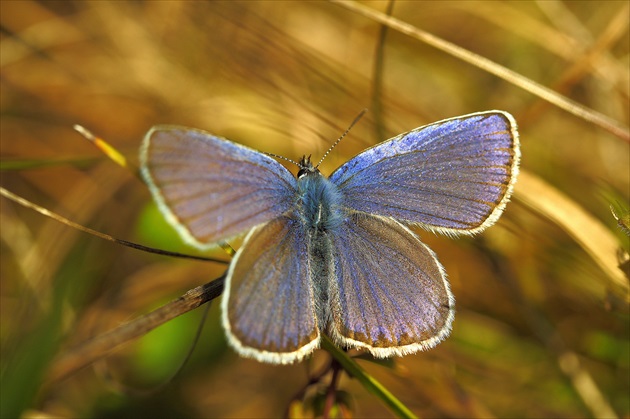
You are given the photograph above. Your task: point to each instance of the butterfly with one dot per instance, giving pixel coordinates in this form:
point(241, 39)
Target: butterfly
point(335, 255)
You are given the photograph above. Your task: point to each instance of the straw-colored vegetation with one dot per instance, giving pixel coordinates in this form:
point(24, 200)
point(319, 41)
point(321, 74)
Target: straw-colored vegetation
point(542, 324)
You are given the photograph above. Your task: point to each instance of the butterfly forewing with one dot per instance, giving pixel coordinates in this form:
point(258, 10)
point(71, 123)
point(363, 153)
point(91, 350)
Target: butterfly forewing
point(212, 189)
point(389, 294)
point(268, 305)
point(454, 176)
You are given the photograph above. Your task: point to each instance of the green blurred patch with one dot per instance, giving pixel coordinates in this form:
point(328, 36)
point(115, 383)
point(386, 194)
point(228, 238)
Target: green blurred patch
point(608, 348)
point(160, 353)
point(24, 367)
point(484, 335)
point(153, 230)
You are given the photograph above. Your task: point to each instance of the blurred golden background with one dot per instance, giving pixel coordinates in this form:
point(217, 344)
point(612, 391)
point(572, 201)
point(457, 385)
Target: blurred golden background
point(542, 325)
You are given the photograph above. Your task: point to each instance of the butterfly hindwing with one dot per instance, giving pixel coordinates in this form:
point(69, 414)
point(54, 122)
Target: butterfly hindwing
point(212, 189)
point(388, 294)
point(453, 176)
point(268, 306)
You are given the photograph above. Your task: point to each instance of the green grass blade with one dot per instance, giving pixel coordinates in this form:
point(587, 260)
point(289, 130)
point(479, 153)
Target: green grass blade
point(369, 382)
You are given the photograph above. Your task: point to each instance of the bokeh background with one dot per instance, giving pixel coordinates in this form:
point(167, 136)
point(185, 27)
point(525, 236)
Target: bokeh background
point(542, 328)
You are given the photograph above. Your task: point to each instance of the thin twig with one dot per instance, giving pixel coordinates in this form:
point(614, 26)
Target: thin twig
point(301, 393)
point(28, 204)
point(331, 391)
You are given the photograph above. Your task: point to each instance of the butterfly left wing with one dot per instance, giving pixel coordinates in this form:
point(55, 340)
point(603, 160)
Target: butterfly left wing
point(454, 176)
point(389, 294)
point(268, 307)
point(212, 189)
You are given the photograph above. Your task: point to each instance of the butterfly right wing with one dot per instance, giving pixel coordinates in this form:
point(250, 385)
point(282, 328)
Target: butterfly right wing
point(268, 306)
point(453, 176)
point(212, 189)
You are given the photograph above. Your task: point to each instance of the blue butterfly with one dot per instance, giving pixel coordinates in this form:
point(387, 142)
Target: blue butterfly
point(334, 255)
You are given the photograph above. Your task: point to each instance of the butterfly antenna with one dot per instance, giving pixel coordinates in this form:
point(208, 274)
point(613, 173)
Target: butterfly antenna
point(277, 156)
point(359, 116)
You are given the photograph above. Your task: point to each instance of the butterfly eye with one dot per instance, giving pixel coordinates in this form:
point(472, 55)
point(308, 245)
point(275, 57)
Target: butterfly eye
point(306, 167)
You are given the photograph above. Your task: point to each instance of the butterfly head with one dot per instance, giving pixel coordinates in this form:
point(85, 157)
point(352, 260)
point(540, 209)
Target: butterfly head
point(306, 167)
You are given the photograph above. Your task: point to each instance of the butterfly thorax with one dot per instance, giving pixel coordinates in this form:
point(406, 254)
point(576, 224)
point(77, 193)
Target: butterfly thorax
point(319, 200)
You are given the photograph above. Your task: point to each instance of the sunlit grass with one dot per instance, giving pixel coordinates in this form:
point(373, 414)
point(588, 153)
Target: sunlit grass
point(542, 327)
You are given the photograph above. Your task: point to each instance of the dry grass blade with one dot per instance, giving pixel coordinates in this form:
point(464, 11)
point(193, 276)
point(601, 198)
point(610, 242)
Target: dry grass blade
point(591, 235)
point(88, 352)
point(506, 74)
point(542, 325)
